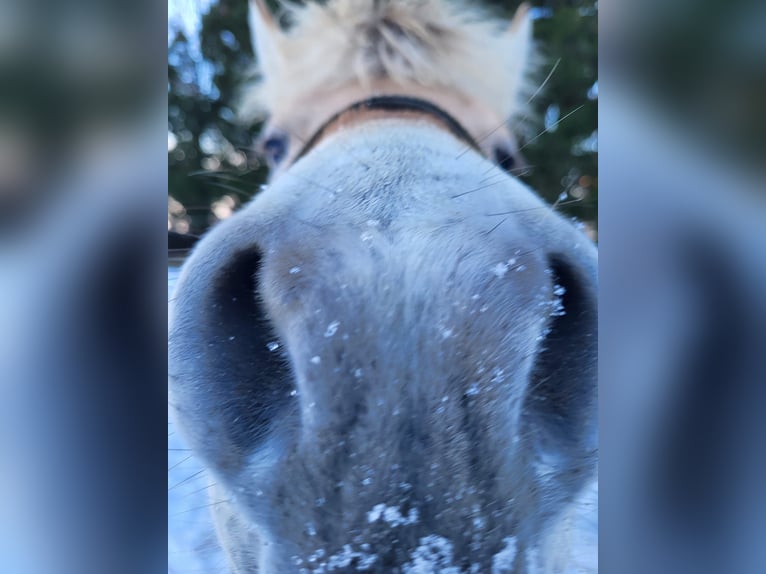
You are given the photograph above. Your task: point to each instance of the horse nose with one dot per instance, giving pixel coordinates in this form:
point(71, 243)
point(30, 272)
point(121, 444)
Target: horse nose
point(233, 375)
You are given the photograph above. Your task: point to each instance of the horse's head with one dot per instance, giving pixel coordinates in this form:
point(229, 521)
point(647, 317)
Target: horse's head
point(472, 67)
point(388, 359)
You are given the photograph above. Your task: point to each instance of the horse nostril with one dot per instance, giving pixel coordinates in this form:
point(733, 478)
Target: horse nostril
point(563, 388)
point(228, 368)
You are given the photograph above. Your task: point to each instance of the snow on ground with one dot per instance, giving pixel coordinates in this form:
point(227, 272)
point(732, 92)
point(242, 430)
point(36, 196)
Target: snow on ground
point(192, 546)
point(573, 547)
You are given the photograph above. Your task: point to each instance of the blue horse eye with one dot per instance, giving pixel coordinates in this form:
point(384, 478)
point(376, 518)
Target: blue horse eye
point(504, 159)
point(275, 148)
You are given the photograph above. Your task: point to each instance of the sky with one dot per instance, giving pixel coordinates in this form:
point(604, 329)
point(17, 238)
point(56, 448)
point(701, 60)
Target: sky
point(186, 14)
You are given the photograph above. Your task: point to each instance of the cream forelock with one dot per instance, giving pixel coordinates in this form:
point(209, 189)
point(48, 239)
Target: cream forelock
point(431, 43)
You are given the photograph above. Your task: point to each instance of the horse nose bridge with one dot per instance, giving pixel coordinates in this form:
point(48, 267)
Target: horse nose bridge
point(361, 321)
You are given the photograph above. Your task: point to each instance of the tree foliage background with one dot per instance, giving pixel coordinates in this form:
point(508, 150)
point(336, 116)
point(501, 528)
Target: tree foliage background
point(211, 165)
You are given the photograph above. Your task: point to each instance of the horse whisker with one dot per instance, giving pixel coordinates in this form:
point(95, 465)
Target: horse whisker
point(539, 207)
point(474, 190)
point(507, 121)
point(187, 479)
point(546, 130)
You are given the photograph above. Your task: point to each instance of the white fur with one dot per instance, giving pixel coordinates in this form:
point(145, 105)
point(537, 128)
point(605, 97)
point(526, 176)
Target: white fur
point(430, 43)
point(387, 234)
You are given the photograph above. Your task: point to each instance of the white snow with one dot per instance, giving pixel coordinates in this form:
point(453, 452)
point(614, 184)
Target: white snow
point(272, 346)
point(392, 515)
point(332, 328)
point(502, 562)
point(433, 556)
point(192, 544)
point(500, 270)
point(343, 558)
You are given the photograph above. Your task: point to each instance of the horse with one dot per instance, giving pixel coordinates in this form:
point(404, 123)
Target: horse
point(387, 360)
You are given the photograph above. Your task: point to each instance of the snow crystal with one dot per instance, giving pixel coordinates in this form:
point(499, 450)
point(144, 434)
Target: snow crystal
point(543, 334)
point(295, 270)
point(273, 346)
point(503, 560)
point(500, 270)
point(344, 558)
point(433, 556)
point(315, 360)
point(558, 309)
point(318, 555)
point(392, 515)
point(332, 328)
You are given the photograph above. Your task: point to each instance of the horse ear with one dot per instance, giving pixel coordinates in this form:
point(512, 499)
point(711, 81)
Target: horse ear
point(521, 24)
point(266, 36)
point(519, 38)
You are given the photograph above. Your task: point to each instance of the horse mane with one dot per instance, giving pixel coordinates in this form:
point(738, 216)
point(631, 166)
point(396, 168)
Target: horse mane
point(434, 43)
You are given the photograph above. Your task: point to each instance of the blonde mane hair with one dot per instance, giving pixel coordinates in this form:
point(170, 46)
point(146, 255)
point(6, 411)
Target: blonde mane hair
point(432, 43)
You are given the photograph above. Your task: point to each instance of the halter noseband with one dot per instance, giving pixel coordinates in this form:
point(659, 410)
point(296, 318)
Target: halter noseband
point(394, 104)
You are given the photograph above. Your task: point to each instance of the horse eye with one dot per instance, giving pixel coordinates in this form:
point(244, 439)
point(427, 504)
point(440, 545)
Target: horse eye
point(274, 148)
point(504, 158)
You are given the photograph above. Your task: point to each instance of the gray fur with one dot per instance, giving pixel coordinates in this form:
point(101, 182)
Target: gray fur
point(417, 413)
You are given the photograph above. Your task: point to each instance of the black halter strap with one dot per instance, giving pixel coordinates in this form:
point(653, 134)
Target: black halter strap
point(395, 104)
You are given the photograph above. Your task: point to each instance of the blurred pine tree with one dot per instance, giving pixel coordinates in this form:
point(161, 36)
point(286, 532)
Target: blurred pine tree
point(212, 159)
